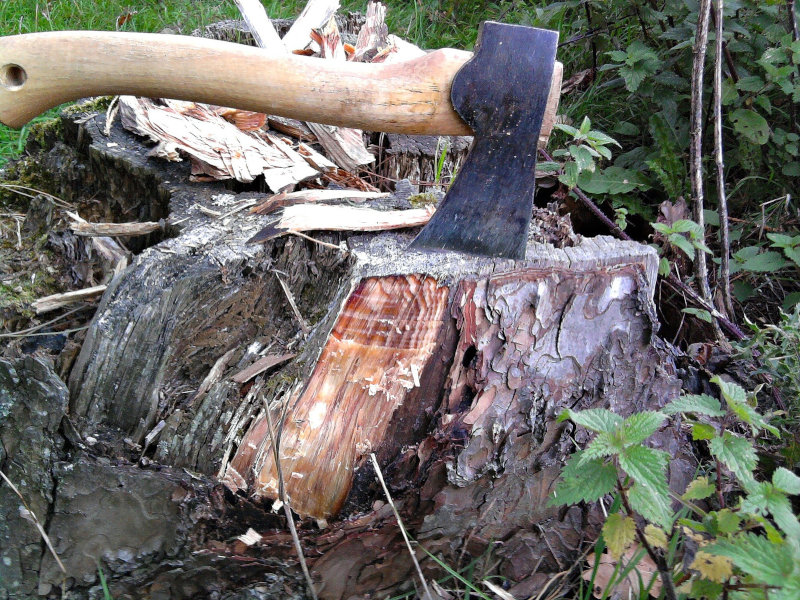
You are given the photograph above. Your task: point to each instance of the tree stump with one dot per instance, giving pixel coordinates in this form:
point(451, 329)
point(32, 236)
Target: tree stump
point(450, 368)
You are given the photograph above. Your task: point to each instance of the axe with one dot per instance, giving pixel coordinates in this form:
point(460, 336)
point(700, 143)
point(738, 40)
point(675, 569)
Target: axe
point(499, 95)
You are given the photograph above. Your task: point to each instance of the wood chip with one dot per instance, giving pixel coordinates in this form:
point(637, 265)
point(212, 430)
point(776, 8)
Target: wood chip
point(217, 149)
point(56, 301)
point(305, 217)
point(315, 15)
point(260, 26)
point(114, 229)
point(279, 201)
point(262, 364)
point(374, 34)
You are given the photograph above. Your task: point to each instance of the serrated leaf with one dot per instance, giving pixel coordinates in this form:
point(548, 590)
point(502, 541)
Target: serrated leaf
point(699, 489)
point(652, 504)
point(703, 431)
point(604, 444)
point(786, 481)
point(602, 139)
point(618, 532)
point(593, 419)
point(568, 129)
point(735, 453)
point(698, 404)
point(750, 83)
point(766, 262)
point(727, 521)
point(584, 481)
point(755, 555)
point(712, 567)
point(732, 392)
point(640, 426)
point(586, 125)
point(736, 397)
point(703, 588)
point(646, 466)
point(612, 180)
point(655, 536)
point(570, 176)
point(751, 125)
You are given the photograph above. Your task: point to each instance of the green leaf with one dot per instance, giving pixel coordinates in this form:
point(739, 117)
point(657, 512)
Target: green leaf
point(655, 536)
point(785, 480)
point(640, 426)
point(568, 129)
point(755, 555)
point(611, 180)
point(548, 166)
point(664, 267)
point(584, 481)
point(701, 404)
point(735, 453)
point(751, 125)
point(593, 419)
point(601, 139)
point(652, 504)
point(583, 157)
point(586, 125)
point(766, 262)
point(751, 83)
point(727, 522)
point(570, 176)
point(736, 398)
point(677, 240)
point(604, 444)
point(646, 466)
point(619, 532)
point(703, 431)
point(699, 489)
point(700, 313)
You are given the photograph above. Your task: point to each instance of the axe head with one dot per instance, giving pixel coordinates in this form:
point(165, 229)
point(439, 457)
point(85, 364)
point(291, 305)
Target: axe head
point(501, 93)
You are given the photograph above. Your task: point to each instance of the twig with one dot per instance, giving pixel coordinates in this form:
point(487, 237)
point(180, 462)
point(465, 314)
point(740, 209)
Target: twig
point(30, 330)
point(696, 146)
point(286, 508)
point(36, 522)
point(48, 303)
point(111, 114)
point(316, 241)
point(378, 472)
point(725, 269)
point(21, 190)
point(293, 304)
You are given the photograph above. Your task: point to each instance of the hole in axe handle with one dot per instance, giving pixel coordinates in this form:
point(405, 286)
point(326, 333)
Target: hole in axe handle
point(12, 77)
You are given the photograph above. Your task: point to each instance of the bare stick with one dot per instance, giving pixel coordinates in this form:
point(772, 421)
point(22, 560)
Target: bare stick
point(50, 303)
point(293, 304)
point(260, 25)
point(725, 270)
point(696, 147)
point(286, 508)
point(115, 229)
point(378, 472)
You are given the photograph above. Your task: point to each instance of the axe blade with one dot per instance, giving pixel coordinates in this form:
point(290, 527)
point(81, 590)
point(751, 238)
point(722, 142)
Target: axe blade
point(501, 93)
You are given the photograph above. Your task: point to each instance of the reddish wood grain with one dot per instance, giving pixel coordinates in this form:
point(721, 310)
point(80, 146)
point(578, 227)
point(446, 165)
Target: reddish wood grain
point(373, 360)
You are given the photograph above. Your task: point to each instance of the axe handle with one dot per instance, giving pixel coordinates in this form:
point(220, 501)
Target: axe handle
point(41, 70)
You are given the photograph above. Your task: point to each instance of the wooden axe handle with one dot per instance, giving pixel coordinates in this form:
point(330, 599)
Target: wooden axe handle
point(41, 70)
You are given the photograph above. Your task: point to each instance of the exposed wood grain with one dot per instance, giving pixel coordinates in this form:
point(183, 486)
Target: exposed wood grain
point(387, 330)
point(260, 25)
point(115, 229)
point(316, 14)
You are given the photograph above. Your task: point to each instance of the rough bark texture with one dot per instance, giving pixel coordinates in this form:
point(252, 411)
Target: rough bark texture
point(470, 454)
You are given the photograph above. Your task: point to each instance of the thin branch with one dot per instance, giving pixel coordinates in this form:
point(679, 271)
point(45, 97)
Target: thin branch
point(286, 508)
point(725, 269)
point(696, 146)
point(378, 472)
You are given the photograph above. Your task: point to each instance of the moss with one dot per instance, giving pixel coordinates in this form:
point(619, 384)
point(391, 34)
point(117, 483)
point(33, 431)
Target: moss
point(98, 104)
point(422, 200)
point(44, 133)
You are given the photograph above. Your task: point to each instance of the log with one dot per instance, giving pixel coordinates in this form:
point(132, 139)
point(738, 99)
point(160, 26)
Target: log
point(450, 368)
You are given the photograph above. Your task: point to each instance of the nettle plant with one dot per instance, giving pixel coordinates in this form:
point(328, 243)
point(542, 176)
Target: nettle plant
point(732, 536)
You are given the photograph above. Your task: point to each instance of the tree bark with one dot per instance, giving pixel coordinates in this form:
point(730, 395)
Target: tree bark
point(450, 368)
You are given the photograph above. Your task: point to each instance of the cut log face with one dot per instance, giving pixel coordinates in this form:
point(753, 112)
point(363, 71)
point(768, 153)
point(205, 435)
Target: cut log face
point(385, 335)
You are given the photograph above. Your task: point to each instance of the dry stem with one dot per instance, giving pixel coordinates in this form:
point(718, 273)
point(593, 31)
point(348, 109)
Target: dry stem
point(725, 271)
